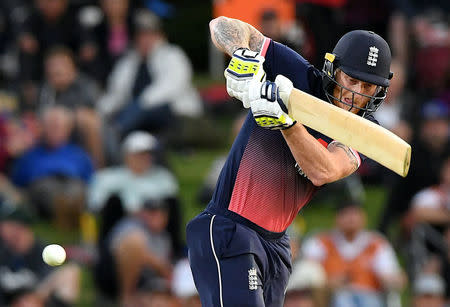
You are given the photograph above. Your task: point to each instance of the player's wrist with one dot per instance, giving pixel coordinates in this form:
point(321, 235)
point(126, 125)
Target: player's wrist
point(289, 125)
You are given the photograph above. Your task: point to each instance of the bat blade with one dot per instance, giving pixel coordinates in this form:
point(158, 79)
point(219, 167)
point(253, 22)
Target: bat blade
point(366, 137)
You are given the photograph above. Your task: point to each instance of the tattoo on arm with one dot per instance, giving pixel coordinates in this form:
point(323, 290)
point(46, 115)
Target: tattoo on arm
point(349, 153)
point(232, 34)
point(256, 40)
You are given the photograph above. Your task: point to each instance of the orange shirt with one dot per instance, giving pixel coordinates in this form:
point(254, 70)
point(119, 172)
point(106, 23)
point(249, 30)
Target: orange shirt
point(359, 269)
point(251, 11)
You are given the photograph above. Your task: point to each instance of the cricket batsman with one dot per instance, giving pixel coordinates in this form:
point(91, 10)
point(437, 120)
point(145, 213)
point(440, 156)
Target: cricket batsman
point(238, 250)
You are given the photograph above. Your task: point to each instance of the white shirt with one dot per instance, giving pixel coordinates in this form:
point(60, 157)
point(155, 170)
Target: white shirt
point(432, 197)
point(133, 190)
point(171, 74)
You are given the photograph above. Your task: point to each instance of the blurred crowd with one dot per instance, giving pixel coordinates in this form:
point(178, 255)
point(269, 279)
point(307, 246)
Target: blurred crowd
point(93, 95)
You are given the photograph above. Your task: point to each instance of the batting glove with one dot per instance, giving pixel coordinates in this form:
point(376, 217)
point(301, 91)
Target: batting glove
point(245, 68)
point(268, 111)
point(285, 87)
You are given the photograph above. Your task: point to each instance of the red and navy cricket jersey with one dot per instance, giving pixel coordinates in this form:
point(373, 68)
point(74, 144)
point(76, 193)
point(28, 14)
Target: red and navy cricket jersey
point(259, 184)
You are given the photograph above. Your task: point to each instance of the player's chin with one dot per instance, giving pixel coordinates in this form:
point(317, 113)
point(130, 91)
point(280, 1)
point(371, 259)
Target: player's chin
point(342, 105)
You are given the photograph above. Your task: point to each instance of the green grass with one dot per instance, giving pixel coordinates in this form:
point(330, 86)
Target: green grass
point(191, 170)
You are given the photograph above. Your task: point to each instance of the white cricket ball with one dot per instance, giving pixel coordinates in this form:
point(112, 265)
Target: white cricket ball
point(54, 254)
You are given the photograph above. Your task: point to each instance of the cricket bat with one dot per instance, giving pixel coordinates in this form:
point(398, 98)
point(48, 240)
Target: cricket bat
point(366, 137)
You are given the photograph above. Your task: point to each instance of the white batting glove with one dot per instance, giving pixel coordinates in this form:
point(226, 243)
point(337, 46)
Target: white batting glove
point(267, 110)
point(285, 87)
point(245, 68)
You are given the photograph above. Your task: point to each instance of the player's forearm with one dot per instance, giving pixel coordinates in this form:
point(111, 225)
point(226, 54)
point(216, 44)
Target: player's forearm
point(229, 34)
point(319, 164)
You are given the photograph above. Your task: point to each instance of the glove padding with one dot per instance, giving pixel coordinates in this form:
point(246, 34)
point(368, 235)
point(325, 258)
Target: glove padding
point(268, 111)
point(245, 68)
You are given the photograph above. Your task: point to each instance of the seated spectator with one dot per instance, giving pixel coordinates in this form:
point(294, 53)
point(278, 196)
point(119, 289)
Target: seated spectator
point(150, 83)
point(396, 114)
point(157, 299)
point(183, 284)
point(299, 298)
point(432, 205)
point(430, 215)
point(25, 280)
point(50, 23)
point(360, 264)
point(55, 171)
point(138, 255)
point(140, 177)
point(67, 87)
point(306, 285)
point(291, 34)
point(428, 291)
point(105, 38)
point(430, 28)
point(392, 112)
point(121, 190)
point(15, 139)
point(431, 147)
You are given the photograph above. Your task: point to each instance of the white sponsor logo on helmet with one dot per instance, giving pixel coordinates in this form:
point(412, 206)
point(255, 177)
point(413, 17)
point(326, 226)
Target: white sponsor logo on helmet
point(373, 56)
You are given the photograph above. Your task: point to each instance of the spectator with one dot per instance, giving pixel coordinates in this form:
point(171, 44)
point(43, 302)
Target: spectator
point(299, 297)
point(50, 23)
point(428, 291)
point(432, 205)
point(139, 251)
point(158, 299)
point(395, 114)
point(431, 146)
point(121, 190)
point(65, 86)
point(430, 212)
point(421, 37)
point(323, 19)
point(183, 284)
point(106, 37)
point(366, 14)
point(392, 113)
point(306, 285)
point(140, 177)
point(25, 280)
point(292, 35)
point(55, 172)
point(360, 264)
point(150, 83)
point(15, 139)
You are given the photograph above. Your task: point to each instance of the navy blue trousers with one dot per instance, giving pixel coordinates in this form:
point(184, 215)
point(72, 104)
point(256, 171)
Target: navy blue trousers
point(233, 265)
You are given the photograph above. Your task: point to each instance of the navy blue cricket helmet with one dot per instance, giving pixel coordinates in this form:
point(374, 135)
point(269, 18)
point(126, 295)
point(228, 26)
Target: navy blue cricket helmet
point(363, 55)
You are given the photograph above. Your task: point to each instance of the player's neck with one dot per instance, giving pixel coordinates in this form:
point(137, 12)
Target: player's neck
point(350, 235)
